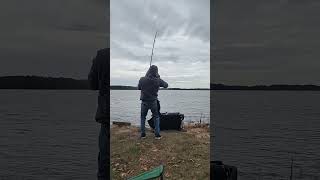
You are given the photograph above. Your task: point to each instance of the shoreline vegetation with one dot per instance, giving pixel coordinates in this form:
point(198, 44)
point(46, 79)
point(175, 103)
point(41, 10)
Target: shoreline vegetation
point(184, 154)
point(45, 83)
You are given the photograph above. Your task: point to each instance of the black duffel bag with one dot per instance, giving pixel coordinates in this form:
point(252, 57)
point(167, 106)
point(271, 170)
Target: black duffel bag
point(220, 171)
point(168, 121)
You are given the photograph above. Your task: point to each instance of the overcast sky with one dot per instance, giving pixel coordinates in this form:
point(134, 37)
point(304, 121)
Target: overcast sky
point(266, 42)
point(51, 37)
point(182, 48)
point(253, 42)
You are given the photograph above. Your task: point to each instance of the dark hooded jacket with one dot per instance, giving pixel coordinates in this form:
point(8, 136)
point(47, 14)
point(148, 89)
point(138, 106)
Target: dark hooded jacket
point(150, 83)
point(99, 80)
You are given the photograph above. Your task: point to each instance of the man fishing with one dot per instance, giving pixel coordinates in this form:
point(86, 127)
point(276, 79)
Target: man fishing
point(149, 86)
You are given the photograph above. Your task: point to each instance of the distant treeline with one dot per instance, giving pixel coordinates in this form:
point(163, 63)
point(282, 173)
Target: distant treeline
point(38, 82)
point(136, 88)
point(123, 88)
point(264, 87)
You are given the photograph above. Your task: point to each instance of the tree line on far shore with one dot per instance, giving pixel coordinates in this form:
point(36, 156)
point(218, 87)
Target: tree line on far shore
point(38, 82)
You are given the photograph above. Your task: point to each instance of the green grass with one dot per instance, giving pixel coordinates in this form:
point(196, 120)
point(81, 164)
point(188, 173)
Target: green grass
point(185, 155)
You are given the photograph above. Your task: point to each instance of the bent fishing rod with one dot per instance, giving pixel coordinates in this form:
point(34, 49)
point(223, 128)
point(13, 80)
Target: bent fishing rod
point(154, 41)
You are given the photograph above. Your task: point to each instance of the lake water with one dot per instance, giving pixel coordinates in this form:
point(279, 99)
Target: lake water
point(51, 134)
point(48, 134)
point(259, 132)
point(125, 104)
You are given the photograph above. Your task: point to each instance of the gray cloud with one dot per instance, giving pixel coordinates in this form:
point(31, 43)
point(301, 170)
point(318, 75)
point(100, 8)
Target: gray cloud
point(182, 45)
point(265, 42)
point(51, 38)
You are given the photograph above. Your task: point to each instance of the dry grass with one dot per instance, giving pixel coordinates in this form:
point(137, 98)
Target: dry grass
point(185, 154)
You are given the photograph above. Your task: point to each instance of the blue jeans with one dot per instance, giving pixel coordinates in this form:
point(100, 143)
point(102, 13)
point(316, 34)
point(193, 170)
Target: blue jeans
point(153, 106)
point(104, 150)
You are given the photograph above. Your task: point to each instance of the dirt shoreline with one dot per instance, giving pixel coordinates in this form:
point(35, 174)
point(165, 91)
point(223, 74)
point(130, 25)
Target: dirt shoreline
point(185, 154)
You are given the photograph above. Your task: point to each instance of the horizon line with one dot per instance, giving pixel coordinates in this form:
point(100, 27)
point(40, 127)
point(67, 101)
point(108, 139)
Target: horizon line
point(211, 83)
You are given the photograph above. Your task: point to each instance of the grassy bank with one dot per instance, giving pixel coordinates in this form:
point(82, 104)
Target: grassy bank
point(185, 155)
